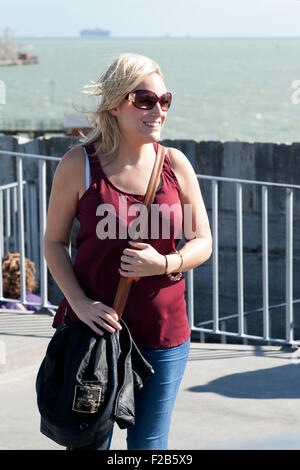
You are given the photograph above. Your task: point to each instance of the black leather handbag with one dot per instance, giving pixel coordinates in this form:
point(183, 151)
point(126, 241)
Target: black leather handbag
point(86, 382)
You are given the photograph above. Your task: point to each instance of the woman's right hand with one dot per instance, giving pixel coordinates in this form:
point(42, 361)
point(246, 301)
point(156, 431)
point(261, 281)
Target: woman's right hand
point(96, 314)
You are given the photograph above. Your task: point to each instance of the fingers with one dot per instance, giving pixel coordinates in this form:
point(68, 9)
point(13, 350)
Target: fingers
point(128, 263)
point(127, 273)
point(115, 316)
point(128, 259)
point(94, 327)
point(102, 317)
point(140, 245)
point(136, 246)
point(129, 266)
point(109, 323)
point(126, 266)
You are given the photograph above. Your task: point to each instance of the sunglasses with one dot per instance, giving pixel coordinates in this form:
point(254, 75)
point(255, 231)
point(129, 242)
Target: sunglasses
point(146, 99)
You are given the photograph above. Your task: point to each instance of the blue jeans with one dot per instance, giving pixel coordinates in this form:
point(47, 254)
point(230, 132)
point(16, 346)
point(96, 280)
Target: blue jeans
point(154, 403)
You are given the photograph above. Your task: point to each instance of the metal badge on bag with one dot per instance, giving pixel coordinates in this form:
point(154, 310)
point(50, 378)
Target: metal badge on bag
point(86, 398)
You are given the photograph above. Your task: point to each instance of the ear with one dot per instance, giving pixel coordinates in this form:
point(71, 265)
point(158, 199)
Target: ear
point(114, 111)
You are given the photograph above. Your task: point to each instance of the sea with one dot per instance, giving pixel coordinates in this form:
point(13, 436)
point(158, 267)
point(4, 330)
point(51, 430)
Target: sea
point(231, 89)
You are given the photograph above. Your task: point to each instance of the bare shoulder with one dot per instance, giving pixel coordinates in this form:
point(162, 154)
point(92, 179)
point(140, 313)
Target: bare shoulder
point(182, 167)
point(179, 160)
point(64, 196)
point(71, 170)
point(73, 160)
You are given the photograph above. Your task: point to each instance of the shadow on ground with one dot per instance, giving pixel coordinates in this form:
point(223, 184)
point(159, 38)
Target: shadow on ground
point(277, 382)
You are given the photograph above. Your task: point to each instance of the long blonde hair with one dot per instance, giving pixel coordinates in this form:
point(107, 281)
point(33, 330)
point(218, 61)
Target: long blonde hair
point(121, 77)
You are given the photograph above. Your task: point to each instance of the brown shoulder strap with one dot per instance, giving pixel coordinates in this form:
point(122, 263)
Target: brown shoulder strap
point(125, 282)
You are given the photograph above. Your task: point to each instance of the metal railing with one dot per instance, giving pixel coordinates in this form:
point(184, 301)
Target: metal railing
point(218, 322)
point(9, 221)
point(19, 234)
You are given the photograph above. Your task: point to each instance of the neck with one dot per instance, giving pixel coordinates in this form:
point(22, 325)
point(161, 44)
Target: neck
point(130, 153)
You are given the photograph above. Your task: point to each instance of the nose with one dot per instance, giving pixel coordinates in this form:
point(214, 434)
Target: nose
point(158, 110)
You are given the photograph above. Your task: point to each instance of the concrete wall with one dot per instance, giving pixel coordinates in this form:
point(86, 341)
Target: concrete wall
point(256, 161)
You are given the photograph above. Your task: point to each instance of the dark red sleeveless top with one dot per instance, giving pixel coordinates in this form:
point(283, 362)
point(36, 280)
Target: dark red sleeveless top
point(155, 312)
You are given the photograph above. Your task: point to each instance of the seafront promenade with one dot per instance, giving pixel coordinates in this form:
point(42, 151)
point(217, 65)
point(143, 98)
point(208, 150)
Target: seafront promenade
point(231, 396)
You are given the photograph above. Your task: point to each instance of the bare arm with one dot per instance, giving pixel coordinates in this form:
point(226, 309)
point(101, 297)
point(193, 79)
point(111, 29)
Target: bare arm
point(198, 249)
point(67, 184)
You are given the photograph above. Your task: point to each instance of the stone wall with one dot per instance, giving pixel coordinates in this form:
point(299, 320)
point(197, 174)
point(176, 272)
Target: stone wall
point(253, 161)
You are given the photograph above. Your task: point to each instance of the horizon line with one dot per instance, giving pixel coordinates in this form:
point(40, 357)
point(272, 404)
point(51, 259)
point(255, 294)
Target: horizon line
point(167, 36)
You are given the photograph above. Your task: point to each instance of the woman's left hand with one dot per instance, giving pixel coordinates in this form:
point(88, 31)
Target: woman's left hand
point(141, 260)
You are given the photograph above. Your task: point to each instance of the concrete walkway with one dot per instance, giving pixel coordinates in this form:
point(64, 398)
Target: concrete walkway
point(231, 396)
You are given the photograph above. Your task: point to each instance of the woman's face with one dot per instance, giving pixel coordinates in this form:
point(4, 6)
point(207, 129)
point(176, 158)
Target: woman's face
point(140, 125)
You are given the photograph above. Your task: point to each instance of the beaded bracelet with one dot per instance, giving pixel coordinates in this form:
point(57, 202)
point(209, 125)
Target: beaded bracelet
point(179, 275)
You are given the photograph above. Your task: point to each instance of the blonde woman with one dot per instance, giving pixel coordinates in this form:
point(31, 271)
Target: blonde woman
point(108, 172)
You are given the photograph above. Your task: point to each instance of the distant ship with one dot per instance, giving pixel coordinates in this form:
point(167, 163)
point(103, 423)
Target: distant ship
point(91, 33)
point(12, 54)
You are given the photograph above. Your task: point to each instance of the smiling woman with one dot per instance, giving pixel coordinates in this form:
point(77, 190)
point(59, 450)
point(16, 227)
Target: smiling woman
point(111, 164)
point(125, 75)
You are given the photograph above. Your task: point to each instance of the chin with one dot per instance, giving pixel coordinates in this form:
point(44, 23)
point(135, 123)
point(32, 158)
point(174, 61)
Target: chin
point(154, 137)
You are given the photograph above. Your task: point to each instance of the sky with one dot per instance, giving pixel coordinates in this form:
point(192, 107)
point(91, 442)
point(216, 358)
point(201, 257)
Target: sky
point(138, 18)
